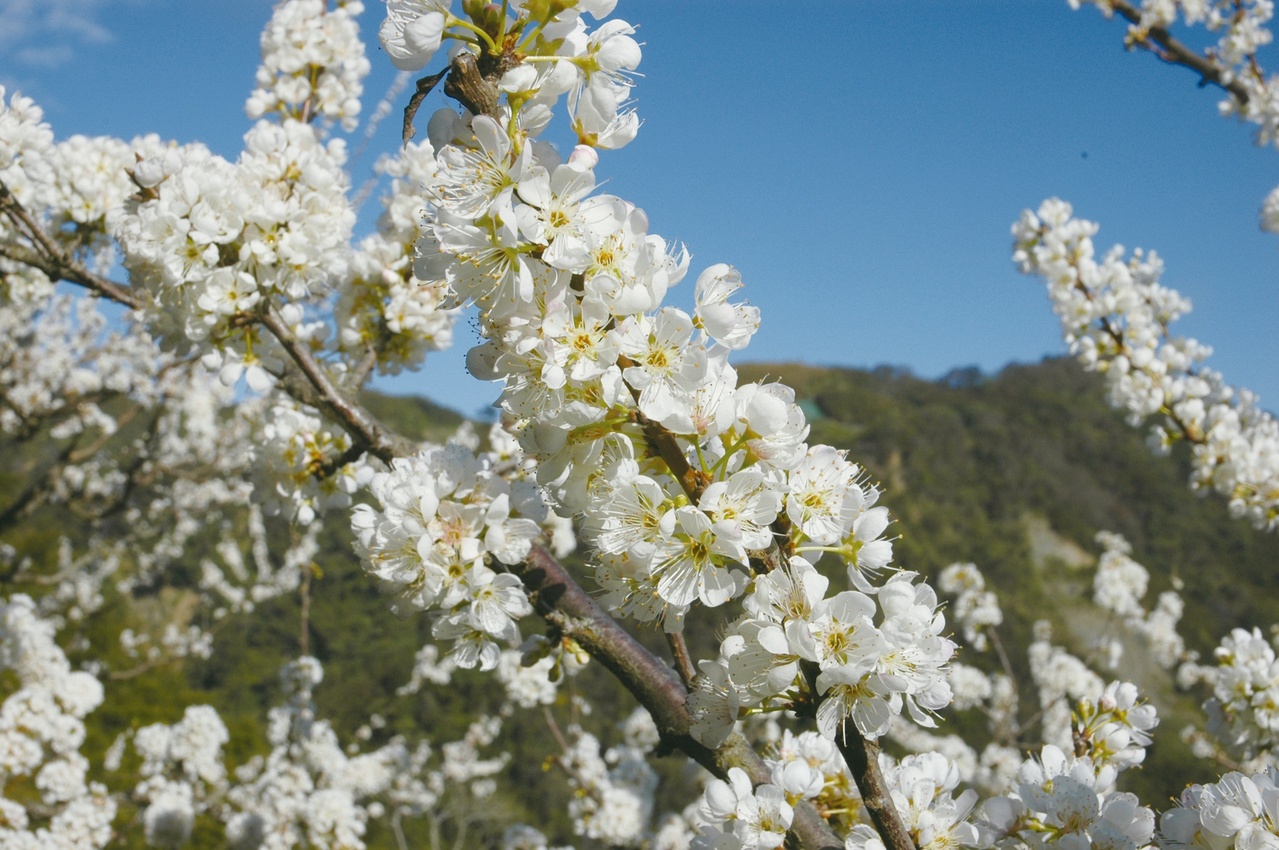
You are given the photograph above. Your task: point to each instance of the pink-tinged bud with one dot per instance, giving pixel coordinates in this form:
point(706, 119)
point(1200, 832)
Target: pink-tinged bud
point(583, 158)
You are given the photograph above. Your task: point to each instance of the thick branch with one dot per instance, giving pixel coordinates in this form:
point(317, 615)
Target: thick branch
point(862, 757)
point(663, 444)
point(472, 80)
point(563, 603)
point(1161, 43)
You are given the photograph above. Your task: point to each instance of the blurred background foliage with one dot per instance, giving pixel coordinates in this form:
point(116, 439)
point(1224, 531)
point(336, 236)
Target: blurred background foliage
point(1015, 472)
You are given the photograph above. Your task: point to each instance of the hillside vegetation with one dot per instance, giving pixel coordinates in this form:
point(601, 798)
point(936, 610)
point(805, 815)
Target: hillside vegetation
point(1016, 472)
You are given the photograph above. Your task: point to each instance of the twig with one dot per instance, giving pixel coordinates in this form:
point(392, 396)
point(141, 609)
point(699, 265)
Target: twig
point(363, 427)
point(1004, 661)
point(1160, 42)
point(52, 260)
point(862, 758)
point(683, 661)
point(398, 829)
point(360, 371)
point(554, 727)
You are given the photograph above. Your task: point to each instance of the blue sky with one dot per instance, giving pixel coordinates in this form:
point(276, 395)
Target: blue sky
point(860, 162)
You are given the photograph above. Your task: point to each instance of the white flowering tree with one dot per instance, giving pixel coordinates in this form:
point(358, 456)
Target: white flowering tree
point(186, 339)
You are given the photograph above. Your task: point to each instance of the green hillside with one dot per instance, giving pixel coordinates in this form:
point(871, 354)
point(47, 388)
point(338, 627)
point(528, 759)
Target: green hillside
point(1014, 472)
point(1017, 472)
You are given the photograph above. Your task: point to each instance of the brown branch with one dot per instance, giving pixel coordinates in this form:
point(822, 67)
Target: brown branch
point(365, 429)
point(52, 260)
point(468, 87)
point(1160, 42)
point(563, 603)
point(683, 661)
point(862, 757)
point(663, 444)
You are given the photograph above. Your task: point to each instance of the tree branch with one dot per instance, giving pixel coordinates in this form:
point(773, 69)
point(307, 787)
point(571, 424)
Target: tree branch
point(1160, 42)
point(424, 87)
point(862, 757)
point(364, 428)
point(563, 603)
point(683, 661)
point(52, 260)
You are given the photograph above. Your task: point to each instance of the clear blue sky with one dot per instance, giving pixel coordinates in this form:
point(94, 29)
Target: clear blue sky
point(859, 162)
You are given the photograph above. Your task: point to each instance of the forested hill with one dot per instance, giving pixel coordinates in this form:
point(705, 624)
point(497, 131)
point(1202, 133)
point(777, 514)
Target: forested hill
point(1007, 469)
point(1016, 472)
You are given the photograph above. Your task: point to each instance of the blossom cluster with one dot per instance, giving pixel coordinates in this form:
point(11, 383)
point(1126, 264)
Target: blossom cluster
point(560, 58)
point(1067, 802)
point(41, 732)
point(1243, 711)
point(313, 63)
point(309, 790)
point(382, 306)
point(1114, 729)
point(63, 366)
point(864, 672)
point(296, 444)
point(973, 607)
point(1118, 587)
point(1116, 315)
point(1236, 811)
point(446, 521)
point(735, 814)
point(687, 483)
point(922, 789)
point(181, 767)
point(1070, 801)
point(1076, 709)
point(76, 183)
point(208, 239)
point(613, 790)
point(1243, 28)
point(25, 144)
